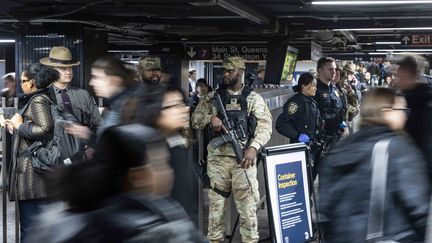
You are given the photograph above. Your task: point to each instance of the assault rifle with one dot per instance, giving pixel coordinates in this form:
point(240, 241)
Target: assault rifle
point(230, 135)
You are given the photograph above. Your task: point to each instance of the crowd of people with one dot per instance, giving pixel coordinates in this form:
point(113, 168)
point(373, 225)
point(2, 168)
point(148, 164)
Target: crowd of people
point(393, 141)
point(125, 181)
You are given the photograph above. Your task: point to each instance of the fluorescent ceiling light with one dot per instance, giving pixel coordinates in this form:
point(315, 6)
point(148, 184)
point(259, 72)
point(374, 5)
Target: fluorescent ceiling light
point(398, 53)
point(244, 11)
point(386, 2)
point(7, 41)
point(405, 50)
point(384, 29)
point(128, 51)
point(387, 43)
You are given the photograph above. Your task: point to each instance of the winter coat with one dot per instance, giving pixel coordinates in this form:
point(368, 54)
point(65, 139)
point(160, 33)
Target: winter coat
point(24, 182)
point(345, 182)
point(418, 125)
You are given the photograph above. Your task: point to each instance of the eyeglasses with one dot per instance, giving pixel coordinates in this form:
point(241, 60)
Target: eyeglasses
point(25, 80)
point(406, 110)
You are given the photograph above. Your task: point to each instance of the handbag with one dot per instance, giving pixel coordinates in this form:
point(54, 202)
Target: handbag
point(379, 161)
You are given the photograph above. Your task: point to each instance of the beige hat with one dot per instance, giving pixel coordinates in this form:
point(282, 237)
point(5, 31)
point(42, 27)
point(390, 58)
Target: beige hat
point(59, 56)
point(350, 67)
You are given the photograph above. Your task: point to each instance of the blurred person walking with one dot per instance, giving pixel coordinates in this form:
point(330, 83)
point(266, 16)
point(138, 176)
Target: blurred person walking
point(9, 92)
point(345, 184)
point(120, 196)
point(33, 123)
point(419, 99)
point(111, 80)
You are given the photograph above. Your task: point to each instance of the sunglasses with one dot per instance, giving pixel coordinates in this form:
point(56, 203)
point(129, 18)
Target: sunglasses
point(25, 80)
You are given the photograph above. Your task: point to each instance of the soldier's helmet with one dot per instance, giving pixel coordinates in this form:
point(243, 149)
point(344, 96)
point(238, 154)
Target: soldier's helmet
point(150, 63)
point(232, 63)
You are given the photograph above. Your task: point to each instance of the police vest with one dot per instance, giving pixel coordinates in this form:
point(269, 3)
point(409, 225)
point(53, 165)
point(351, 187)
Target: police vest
point(237, 111)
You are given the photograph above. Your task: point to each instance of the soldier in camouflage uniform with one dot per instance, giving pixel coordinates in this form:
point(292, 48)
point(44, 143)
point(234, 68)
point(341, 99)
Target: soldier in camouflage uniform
point(224, 171)
point(150, 69)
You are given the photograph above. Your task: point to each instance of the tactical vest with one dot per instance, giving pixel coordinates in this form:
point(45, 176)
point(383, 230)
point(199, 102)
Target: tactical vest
point(237, 111)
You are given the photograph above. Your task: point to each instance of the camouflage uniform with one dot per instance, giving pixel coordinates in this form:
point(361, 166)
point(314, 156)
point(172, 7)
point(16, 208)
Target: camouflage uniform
point(223, 170)
point(149, 63)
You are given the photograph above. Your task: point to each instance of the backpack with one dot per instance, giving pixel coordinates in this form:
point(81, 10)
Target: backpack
point(62, 149)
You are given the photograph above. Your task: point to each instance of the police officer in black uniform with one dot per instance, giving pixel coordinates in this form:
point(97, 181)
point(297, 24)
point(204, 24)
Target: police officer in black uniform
point(300, 116)
point(328, 98)
point(330, 105)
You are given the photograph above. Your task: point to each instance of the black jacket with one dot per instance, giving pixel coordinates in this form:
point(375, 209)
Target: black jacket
point(419, 125)
point(345, 181)
point(123, 218)
point(330, 106)
point(300, 115)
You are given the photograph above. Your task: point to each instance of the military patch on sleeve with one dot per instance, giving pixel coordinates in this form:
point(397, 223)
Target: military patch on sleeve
point(292, 108)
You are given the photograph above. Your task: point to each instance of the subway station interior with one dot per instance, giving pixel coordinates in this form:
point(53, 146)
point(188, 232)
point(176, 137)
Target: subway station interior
point(288, 37)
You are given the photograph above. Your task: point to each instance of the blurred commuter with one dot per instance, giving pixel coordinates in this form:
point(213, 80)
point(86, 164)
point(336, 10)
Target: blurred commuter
point(419, 99)
point(173, 124)
point(192, 83)
point(120, 196)
point(111, 80)
point(33, 123)
point(9, 92)
point(345, 185)
point(150, 69)
point(75, 100)
point(259, 80)
point(250, 113)
point(300, 117)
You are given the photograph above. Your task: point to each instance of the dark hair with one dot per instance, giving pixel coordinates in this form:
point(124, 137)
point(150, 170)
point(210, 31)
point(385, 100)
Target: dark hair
point(305, 79)
point(42, 75)
point(324, 60)
point(191, 72)
point(204, 81)
point(115, 67)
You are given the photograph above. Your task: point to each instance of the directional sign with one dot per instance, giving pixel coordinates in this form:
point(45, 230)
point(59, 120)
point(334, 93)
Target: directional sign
point(417, 40)
point(406, 40)
point(220, 52)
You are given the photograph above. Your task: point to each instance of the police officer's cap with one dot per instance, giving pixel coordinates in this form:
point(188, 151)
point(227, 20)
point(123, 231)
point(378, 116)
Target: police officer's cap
point(232, 63)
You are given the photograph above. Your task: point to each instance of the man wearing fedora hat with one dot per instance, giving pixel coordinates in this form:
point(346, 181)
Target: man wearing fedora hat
point(75, 100)
point(350, 69)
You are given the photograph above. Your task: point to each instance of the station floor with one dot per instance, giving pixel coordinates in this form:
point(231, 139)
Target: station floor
point(262, 220)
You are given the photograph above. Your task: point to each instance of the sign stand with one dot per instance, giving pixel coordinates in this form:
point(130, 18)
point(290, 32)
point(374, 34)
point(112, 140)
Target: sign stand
point(288, 198)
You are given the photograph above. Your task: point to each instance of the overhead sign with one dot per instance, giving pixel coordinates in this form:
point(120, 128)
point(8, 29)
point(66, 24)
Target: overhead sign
point(417, 40)
point(288, 193)
point(220, 52)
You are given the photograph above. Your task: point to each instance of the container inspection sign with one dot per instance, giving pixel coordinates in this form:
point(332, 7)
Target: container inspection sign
point(288, 194)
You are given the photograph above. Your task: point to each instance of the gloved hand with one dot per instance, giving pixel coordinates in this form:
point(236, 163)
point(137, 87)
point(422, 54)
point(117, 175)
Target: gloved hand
point(343, 125)
point(303, 138)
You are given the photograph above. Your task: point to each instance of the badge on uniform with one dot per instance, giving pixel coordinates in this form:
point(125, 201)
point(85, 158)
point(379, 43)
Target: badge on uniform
point(325, 95)
point(292, 108)
point(336, 93)
point(233, 105)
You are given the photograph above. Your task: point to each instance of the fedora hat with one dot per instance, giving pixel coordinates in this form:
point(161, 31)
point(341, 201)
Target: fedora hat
point(59, 56)
point(350, 67)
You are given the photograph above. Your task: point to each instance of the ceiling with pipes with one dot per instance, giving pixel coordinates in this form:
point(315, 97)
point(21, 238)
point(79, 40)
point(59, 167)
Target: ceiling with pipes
point(339, 28)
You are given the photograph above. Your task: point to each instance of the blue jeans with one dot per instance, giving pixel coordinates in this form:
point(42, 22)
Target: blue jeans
point(28, 211)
